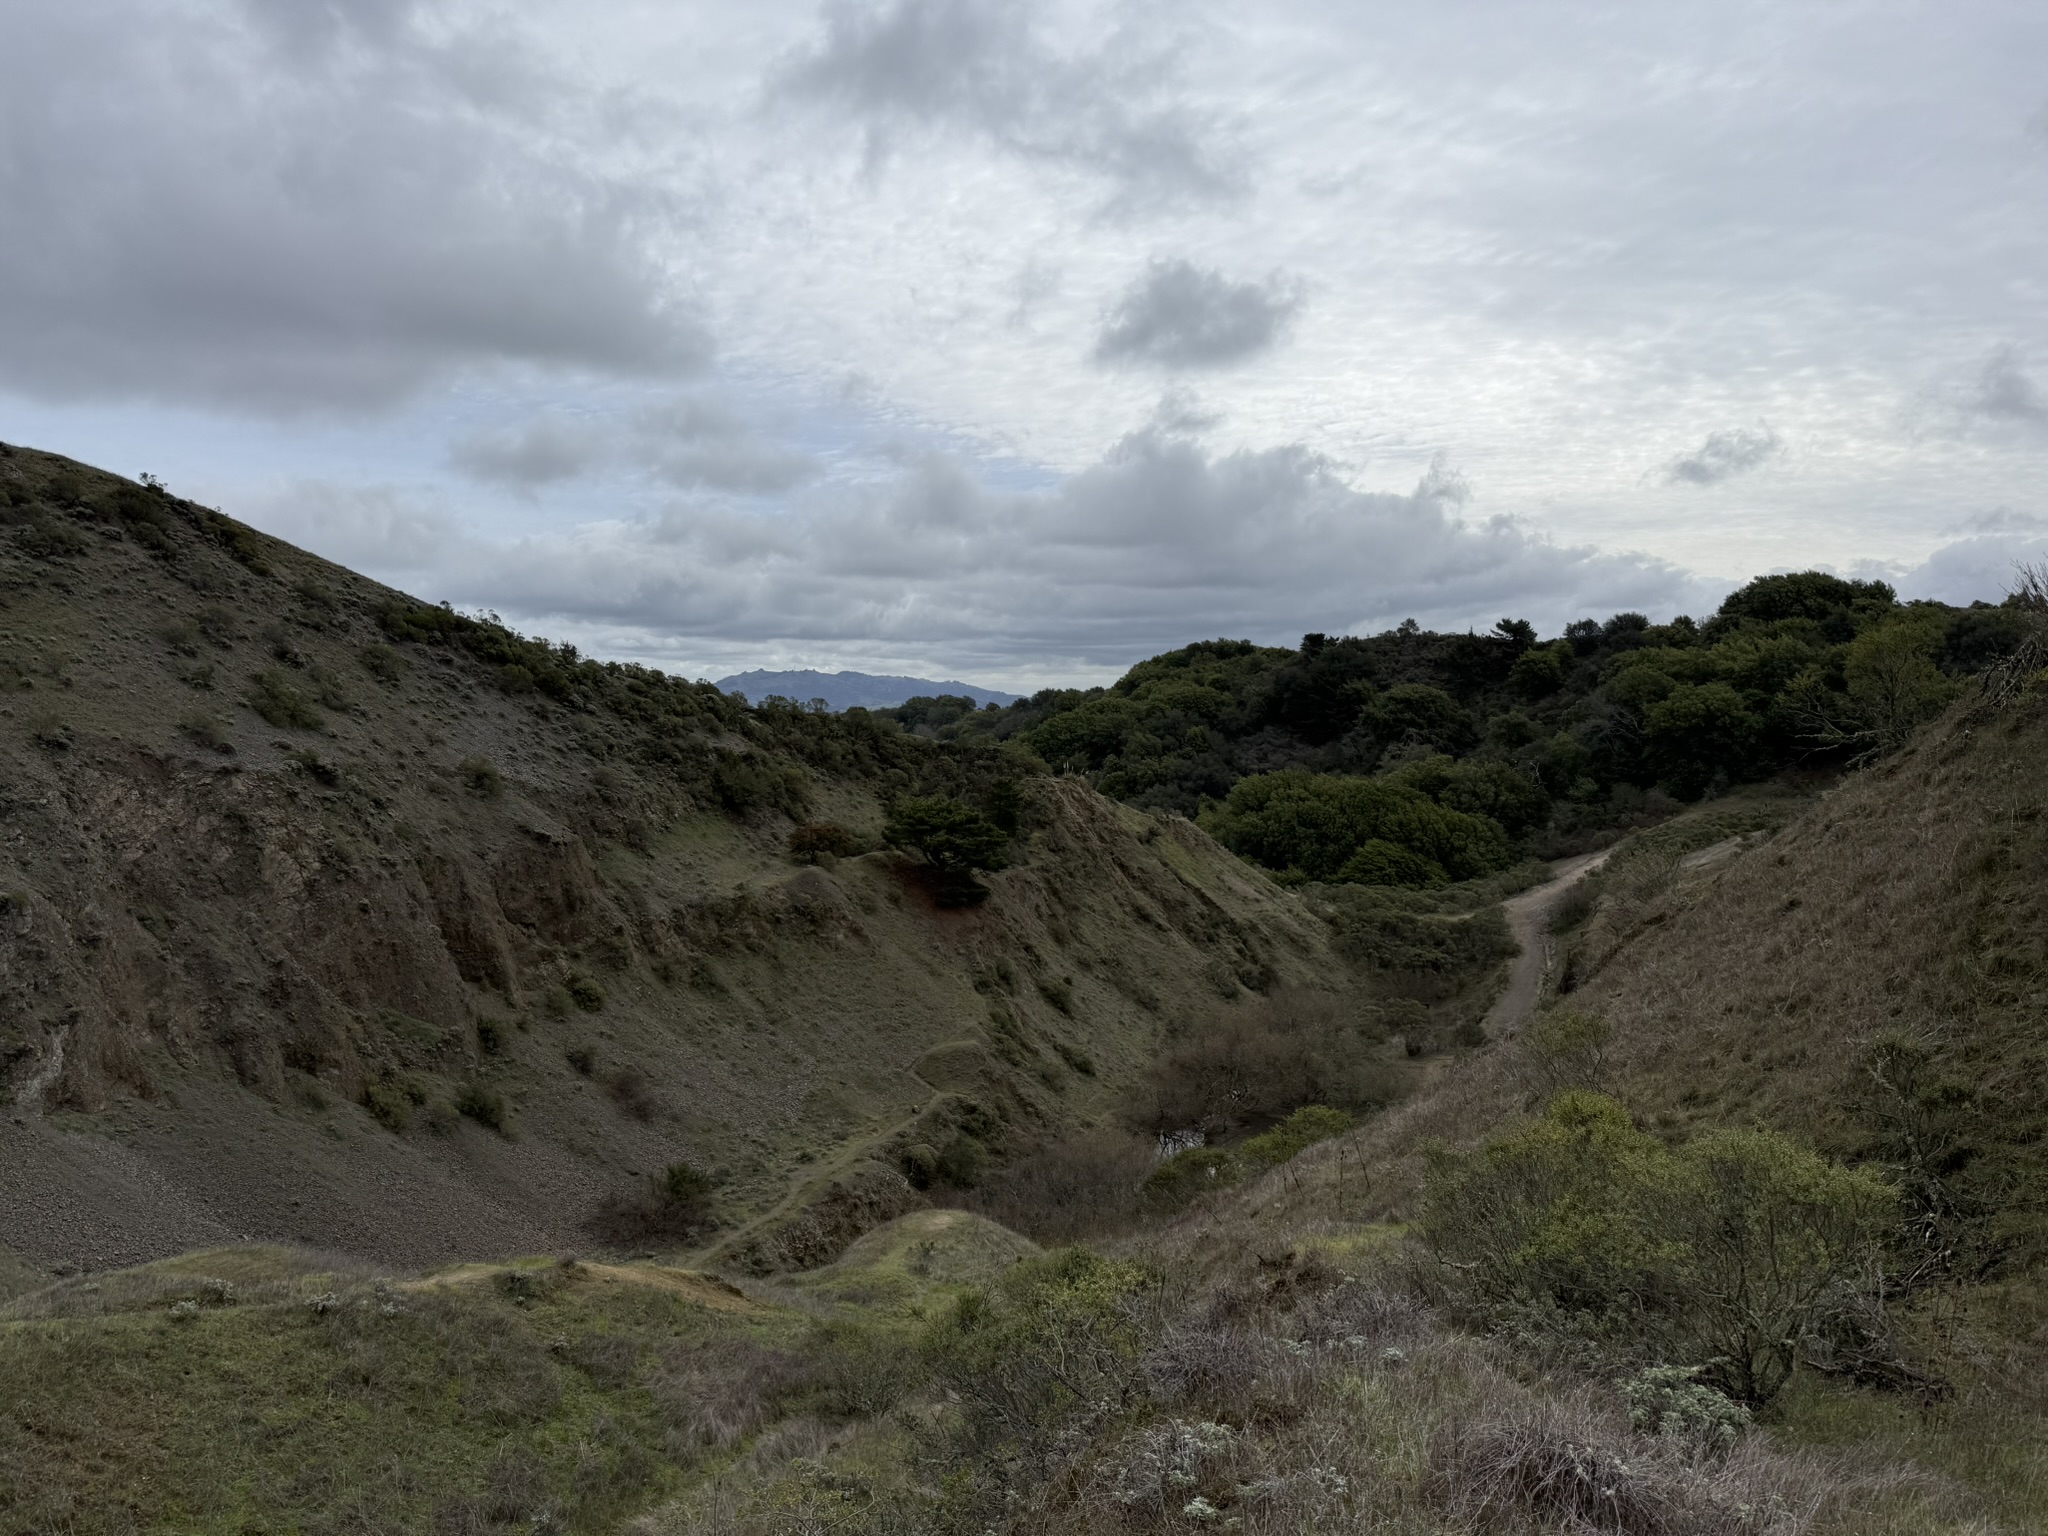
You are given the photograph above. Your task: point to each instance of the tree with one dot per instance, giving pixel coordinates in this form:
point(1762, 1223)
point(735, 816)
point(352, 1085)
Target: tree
point(953, 838)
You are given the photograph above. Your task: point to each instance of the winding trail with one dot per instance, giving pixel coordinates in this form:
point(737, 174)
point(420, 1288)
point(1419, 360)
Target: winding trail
point(1529, 921)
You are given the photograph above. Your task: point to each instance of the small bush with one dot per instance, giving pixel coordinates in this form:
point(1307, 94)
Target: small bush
point(315, 767)
point(674, 1205)
point(586, 994)
point(206, 731)
point(582, 1059)
point(749, 783)
point(1565, 1048)
point(1254, 1064)
point(490, 1036)
point(631, 1090)
point(1672, 1400)
point(816, 840)
point(1296, 1134)
point(44, 539)
point(481, 778)
point(274, 697)
point(1732, 1253)
point(486, 1106)
point(385, 663)
point(388, 1105)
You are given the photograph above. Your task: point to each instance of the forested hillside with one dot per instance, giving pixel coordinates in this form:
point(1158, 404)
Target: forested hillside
point(1481, 747)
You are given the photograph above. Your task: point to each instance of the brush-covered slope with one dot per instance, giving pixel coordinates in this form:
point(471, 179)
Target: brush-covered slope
point(1874, 978)
point(330, 916)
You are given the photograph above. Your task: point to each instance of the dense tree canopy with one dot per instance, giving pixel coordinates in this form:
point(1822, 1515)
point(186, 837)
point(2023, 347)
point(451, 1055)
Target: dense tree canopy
point(1539, 738)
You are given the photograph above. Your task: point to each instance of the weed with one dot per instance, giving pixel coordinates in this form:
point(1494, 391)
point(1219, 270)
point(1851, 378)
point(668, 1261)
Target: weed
point(388, 1106)
point(817, 841)
point(490, 1036)
point(585, 993)
point(316, 768)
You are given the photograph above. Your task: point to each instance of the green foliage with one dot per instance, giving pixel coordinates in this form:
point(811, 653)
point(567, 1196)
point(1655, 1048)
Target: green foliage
point(273, 696)
point(1729, 1253)
point(385, 663)
point(1314, 824)
point(818, 840)
point(953, 838)
point(1197, 1171)
point(585, 993)
point(484, 1105)
point(1672, 1400)
point(750, 783)
point(480, 777)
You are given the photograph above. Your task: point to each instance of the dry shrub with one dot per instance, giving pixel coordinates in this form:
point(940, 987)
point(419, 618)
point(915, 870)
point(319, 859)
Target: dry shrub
point(713, 1395)
point(633, 1092)
point(674, 1205)
point(1082, 1187)
point(1252, 1065)
point(1557, 1464)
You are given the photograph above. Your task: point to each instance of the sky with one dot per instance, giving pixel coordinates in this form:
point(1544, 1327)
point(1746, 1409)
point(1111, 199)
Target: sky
point(1019, 341)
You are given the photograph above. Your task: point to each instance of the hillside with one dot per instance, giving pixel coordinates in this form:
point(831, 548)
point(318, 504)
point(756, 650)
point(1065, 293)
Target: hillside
point(335, 918)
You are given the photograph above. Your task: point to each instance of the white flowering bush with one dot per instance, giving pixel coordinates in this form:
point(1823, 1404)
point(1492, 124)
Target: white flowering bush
point(1673, 1400)
point(1162, 1463)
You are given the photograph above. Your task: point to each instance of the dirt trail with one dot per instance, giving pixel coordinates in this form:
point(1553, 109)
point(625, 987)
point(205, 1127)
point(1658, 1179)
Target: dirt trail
point(1529, 921)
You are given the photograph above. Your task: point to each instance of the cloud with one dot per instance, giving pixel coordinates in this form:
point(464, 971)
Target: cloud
point(301, 205)
point(982, 66)
point(1723, 456)
point(1158, 543)
point(1178, 316)
point(2003, 391)
point(1982, 567)
point(699, 442)
point(540, 454)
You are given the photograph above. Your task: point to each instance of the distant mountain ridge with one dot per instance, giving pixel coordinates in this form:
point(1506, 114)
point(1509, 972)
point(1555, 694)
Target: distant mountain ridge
point(853, 690)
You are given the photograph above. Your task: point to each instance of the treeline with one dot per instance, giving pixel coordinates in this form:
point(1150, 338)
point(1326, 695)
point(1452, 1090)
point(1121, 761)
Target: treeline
point(1413, 758)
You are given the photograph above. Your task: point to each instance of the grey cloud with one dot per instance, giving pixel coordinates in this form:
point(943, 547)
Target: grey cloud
point(699, 442)
point(1159, 543)
point(541, 454)
point(1723, 456)
point(305, 205)
point(2003, 391)
point(1981, 566)
point(983, 66)
point(1176, 315)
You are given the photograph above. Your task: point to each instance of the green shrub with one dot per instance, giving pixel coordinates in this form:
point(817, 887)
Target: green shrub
point(1188, 1175)
point(486, 1106)
point(1317, 824)
point(749, 783)
point(586, 994)
point(1296, 1134)
point(45, 539)
point(481, 778)
point(388, 1105)
point(817, 840)
point(1728, 1254)
point(1672, 1400)
point(490, 1036)
point(272, 696)
point(207, 731)
point(384, 663)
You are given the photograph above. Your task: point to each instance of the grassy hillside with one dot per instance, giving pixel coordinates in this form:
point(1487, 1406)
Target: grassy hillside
point(327, 916)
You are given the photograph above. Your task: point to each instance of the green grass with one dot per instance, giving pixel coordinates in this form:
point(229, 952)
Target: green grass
point(307, 1401)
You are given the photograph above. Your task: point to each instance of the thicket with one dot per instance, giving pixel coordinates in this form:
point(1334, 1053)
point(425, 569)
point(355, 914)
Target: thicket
point(1549, 741)
point(1734, 1255)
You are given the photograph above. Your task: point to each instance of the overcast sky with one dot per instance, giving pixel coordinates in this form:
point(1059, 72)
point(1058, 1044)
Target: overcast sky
point(1018, 341)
